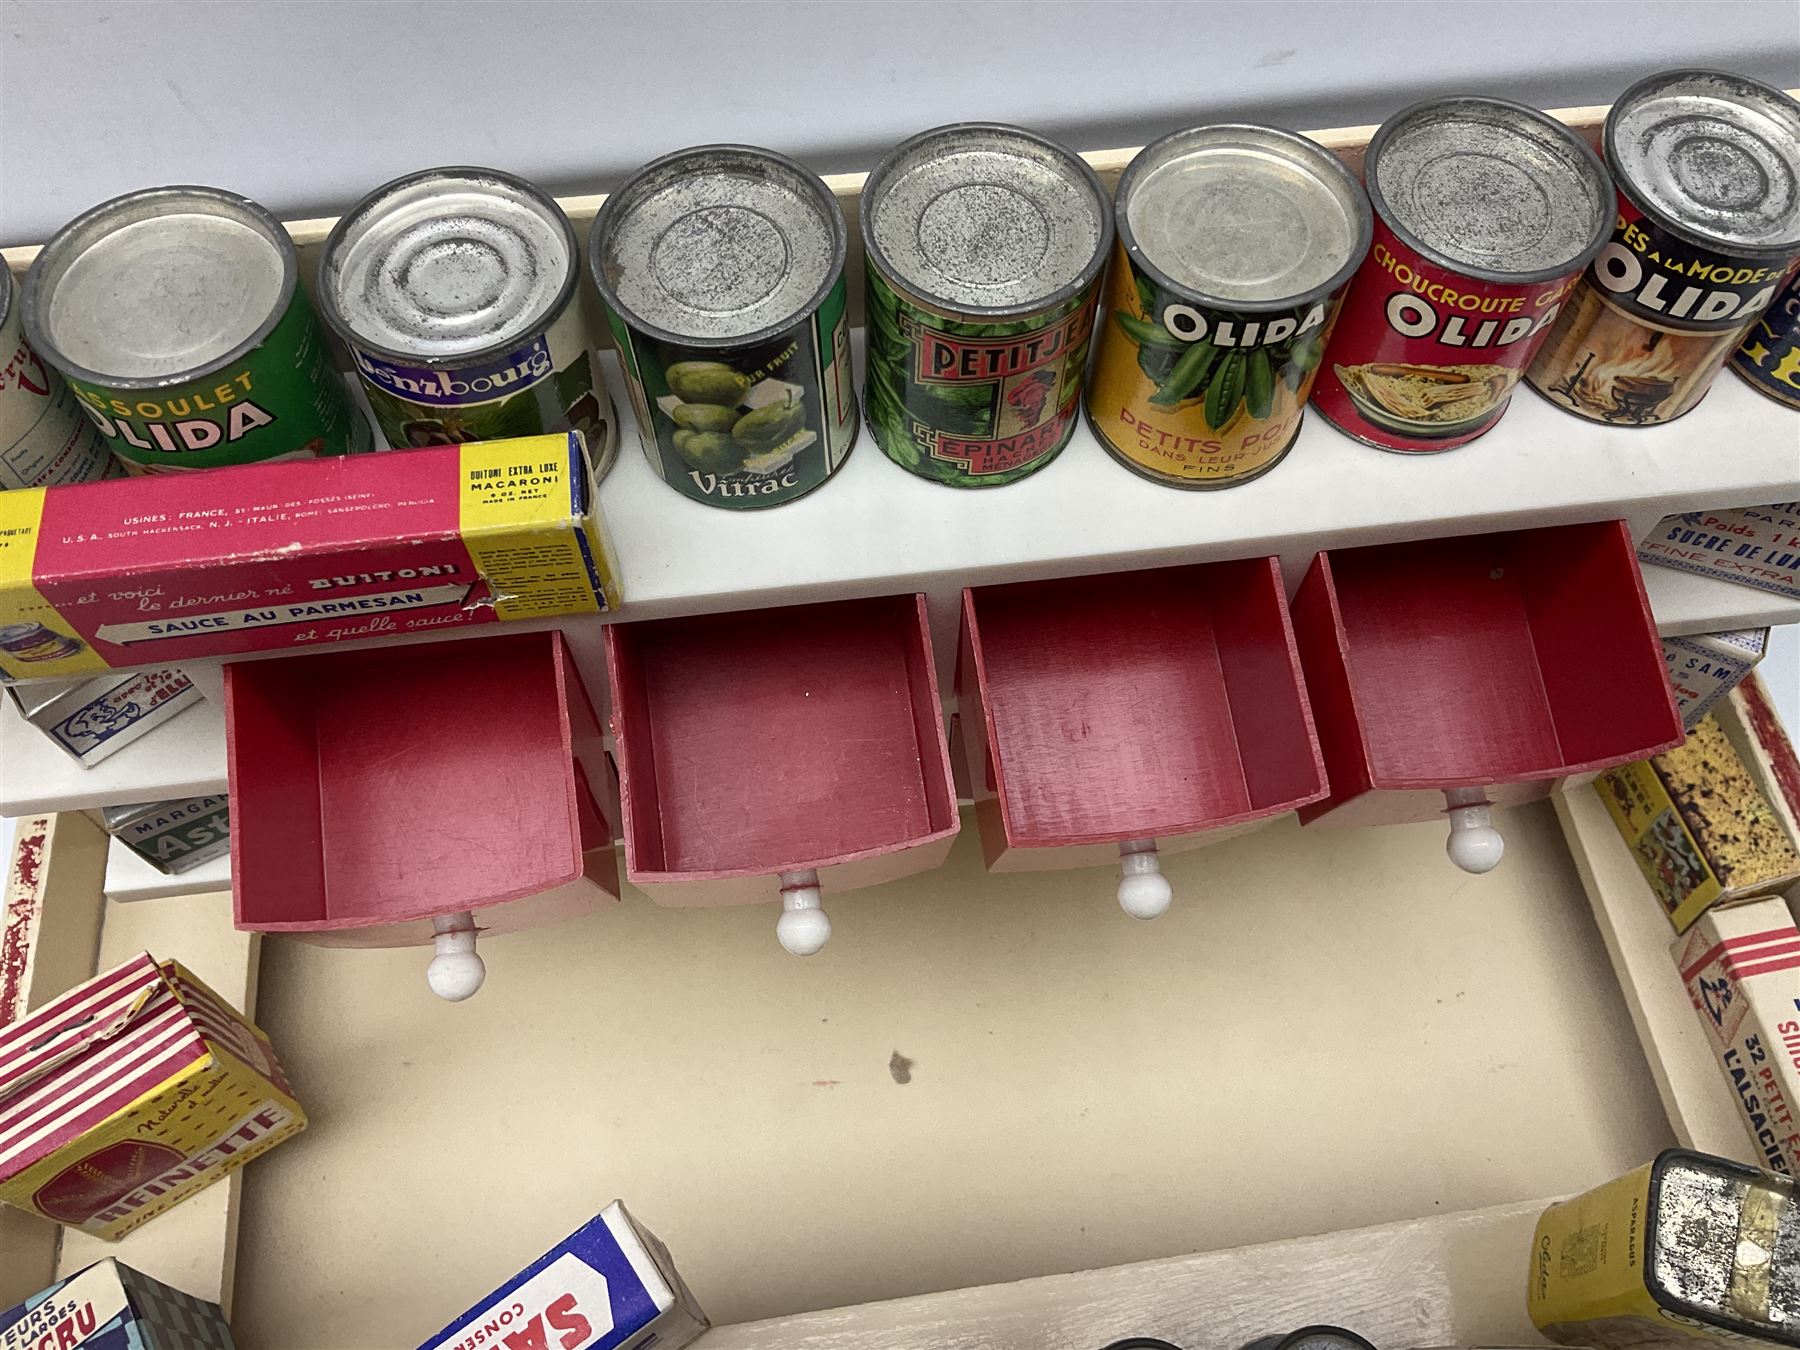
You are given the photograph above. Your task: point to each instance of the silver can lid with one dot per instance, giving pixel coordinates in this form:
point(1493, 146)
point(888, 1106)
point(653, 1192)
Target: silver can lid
point(447, 265)
point(1490, 189)
point(1243, 216)
point(979, 218)
point(721, 245)
point(159, 287)
point(1716, 157)
point(1702, 1241)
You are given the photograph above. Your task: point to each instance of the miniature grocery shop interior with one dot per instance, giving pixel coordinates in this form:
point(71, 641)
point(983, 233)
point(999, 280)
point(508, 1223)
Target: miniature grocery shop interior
point(1336, 1082)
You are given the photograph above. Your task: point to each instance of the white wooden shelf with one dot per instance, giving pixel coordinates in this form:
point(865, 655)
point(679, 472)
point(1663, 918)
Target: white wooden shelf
point(1687, 603)
point(129, 877)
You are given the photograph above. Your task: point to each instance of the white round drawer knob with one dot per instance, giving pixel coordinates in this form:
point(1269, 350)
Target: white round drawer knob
point(803, 928)
point(1474, 844)
point(457, 971)
point(1144, 892)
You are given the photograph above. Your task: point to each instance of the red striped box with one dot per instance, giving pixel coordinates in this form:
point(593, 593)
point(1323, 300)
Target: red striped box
point(130, 1093)
point(1742, 969)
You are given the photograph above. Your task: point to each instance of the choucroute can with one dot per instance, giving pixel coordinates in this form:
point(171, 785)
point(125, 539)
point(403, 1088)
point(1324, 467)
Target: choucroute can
point(1485, 213)
point(1235, 246)
point(1769, 356)
point(177, 317)
point(44, 438)
point(722, 268)
point(455, 291)
point(1707, 167)
point(985, 245)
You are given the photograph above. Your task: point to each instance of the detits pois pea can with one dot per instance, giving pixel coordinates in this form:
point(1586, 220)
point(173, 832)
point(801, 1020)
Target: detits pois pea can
point(1769, 356)
point(985, 245)
point(44, 439)
point(177, 317)
point(722, 268)
point(1235, 246)
point(1708, 227)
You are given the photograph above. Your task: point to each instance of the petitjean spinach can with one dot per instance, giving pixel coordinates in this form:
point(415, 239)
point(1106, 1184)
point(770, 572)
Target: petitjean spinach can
point(722, 268)
point(1235, 245)
point(455, 292)
point(177, 317)
point(985, 245)
point(1769, 358)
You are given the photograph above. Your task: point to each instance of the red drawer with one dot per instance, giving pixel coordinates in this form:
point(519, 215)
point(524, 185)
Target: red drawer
point(780, 751)
point(1486, 667)
point(415, 794)
point(1108, 718)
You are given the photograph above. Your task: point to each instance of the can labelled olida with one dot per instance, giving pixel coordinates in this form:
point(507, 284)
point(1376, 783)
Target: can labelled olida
point(722, 268)
point(1235, 245)
point(177, 317)
point(985, 245)
point(1485, 214)
point(455, 292)
point(44, 439)
point(1708, 226)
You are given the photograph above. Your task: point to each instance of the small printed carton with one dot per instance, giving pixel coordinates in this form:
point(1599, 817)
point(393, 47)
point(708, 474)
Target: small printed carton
point(130, 1093)
point(1753, 545)
point(1705, 667)
point(297, 554)
point(173, 837)
point(1702, 831)
point(610, 1285)
point(1742, 970)
point(110, 1306)
point(90, 719)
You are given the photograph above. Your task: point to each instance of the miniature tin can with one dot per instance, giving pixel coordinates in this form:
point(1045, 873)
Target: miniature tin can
point(173, 836)
point(1312, 1338)
point(1235, 245)
point(985, 245)
point(177, 317)
point(1687, 1246)
point(722, 268)
point(1485, 213)
point(44, 438)
point(1708, 227)
point(1769, 356)
point(455, 292)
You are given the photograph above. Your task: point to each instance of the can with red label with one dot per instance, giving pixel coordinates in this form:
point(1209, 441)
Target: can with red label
point(1708, 226)
point(1485, 213)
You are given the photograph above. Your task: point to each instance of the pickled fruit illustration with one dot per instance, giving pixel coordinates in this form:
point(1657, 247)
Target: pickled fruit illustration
point(725, 422)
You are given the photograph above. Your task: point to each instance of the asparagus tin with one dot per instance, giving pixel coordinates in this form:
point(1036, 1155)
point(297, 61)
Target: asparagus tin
point(44, 438)
point(1687, 1246)
point(455, 292)
point(175, 836)
point(1485, 214)
point(91, 719)
point(1769, 355)
point(1235, 244)
point(1705, 667)
point(110, 1306)
point(722, 268)
point(1708, 225)
point(984, 245)
point(177, 317)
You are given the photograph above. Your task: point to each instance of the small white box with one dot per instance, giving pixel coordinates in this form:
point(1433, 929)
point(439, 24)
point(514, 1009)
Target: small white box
point(1705, 667)
point(92, 717)
point(1752, 545)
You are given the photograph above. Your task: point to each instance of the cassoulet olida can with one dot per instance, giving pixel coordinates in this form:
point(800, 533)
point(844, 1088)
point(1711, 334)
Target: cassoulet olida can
point(1769, 356)
point(722, 268)
point(455, 291)
point(985, 245)
point(177, 317)
point(1235, 244)
point(44, 437)
point(1485, 213)
point(1708, 225)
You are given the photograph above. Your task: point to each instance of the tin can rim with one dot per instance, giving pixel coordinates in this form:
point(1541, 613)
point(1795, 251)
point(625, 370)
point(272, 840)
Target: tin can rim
point(606, 219)
point(872, 250)
point(365, 206)
point(75, 237)
point(1305, 145)
point(1782, 249)
point(6, 295)
point(1603, 216)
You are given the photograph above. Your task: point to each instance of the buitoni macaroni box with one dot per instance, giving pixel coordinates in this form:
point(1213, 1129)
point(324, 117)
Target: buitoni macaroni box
point(110, 1306)
point(297, 554)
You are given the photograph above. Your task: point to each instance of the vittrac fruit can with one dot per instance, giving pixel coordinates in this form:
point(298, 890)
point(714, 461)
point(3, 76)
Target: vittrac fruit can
point(177, 316)
point(1235, 245)
point(1769, 357)
point(44, 439)
point(985, 245)
point(1708, 228)
point(1485, 214)
point(722, 268)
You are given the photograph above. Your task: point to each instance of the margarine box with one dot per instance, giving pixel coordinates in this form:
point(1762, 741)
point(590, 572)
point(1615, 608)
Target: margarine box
point(1753, 545)
point(610, 1285)
point(1742, 970)
point(89, 718)
point(1705, 667)
point(175, 836)
point(110, 1306)
point(130, 1093)
point(1702, 831)
point(297, 554)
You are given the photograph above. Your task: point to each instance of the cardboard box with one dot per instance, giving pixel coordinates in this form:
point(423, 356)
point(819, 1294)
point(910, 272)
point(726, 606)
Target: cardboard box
point(129, 1094)
point(1705, 667)
point(91, 719)
point(110, 1306)
point(610, 1284)
point(1753, 545)
point(297, 554)
point(173, 837)
point(1702, 830)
